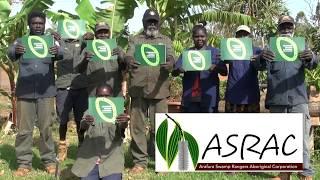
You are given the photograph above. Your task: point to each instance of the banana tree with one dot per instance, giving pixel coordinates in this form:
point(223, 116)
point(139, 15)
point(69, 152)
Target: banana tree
point(12, 28)
point(115, 12)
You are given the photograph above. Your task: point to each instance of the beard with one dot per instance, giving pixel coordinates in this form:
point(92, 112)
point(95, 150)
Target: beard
point(151, 32)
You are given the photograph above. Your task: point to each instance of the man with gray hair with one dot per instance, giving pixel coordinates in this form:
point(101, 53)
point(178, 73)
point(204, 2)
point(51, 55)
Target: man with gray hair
point(286, 91)
point(148, 88)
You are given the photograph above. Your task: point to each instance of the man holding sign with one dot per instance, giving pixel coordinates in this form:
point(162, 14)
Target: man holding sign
point(149, 84)
point(242, 93)
point(286, 91)
point(101, 155)
point(71, 85)
point(100, 70)
point(35, 95)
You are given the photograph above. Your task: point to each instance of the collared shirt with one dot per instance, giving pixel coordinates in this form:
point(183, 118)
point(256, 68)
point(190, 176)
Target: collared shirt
point(102, 141)
point(209, 82)
point(243, 84)
point(36, 76)
point(286, 81)
point(145, 81)
point(67, 76)
point(102, 72)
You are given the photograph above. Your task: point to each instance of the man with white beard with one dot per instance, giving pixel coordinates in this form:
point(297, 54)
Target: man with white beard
point(286, 91)
point(148, 88)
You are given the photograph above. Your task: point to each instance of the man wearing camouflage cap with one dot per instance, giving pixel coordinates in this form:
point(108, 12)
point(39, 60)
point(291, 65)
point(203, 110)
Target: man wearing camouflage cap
point(102, 72)
point(286, 91)
point(148, 88)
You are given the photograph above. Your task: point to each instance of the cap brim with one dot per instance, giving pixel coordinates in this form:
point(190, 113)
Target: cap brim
point(243, 30)
point(290, 22)
point(102, 28)
point(151, 18)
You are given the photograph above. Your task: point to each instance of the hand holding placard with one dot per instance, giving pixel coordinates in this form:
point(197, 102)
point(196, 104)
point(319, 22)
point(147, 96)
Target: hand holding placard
point(306, 55)
point(193, 60)
point(38, 47)
point(103, 49)
point(105, 109)
point(286, 48)
point(236, 49)
point(150, 55)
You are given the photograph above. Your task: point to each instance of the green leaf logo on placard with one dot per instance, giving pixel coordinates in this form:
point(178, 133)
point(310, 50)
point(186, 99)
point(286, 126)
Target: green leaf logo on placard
point(236, 48)
point(149, 53)
point(71, 28)
point(196, 60)
point(179, 141)
point(101, 49)
point(287, 47)
point(38, 46)
point(106, 109)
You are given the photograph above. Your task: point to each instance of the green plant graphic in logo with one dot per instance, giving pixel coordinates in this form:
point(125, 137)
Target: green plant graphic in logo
point(149, 53)
point(197, 60)
point(71, 28)
point(286, 47)
point(100, 45)
point(236, 48)
point(38, 46)
point(106, 109)
point(179, 140)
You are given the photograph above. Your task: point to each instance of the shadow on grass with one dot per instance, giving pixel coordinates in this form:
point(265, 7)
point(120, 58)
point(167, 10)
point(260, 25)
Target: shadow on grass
point(66, 173)
point(128, 160)
point(7, 153)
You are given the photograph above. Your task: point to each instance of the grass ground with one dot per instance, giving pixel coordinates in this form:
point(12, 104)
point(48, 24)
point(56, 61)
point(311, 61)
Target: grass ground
point(8, 164)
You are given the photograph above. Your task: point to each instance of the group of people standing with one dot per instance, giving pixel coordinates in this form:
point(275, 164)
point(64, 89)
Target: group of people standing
point(100, 153)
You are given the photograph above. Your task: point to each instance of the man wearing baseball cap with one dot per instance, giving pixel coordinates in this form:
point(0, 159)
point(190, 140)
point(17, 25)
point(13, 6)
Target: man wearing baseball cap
point(286, 91)
point(102, 72)
point(242, 93)
point(149, 89)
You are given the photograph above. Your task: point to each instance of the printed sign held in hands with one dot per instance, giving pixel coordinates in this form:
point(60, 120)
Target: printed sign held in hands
point(102, 49)
point(286, 48)
point(71, 29)
point(193, 60)
point(37, 47)
point(236, 49)
point(150, 55)
point(106, 109)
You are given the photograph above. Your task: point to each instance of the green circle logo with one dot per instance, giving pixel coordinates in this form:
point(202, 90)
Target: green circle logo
point(105, 46)
point(154, 51)
point(291, 44)
point(74, 33)
point(35, 43)
point(195, 59)
point(240, 48)
point(106, 109)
